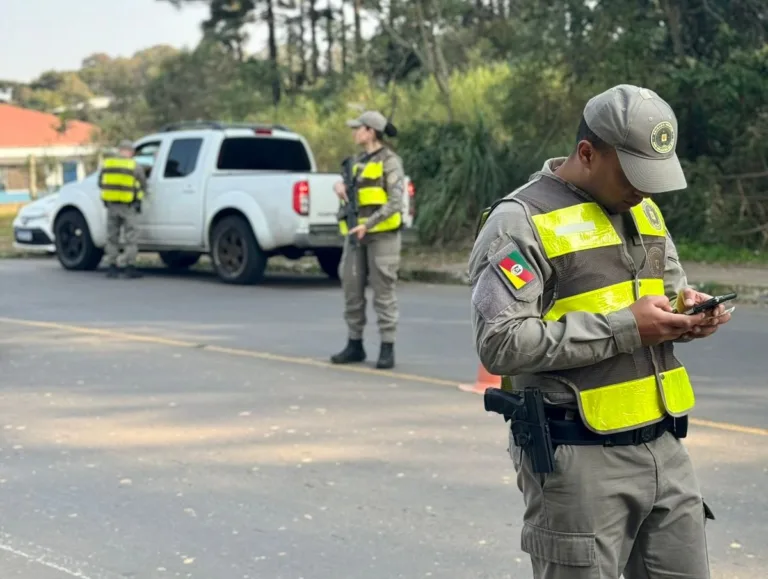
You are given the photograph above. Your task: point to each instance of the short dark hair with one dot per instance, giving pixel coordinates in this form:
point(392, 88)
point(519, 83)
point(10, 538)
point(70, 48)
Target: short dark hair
point(586, 134)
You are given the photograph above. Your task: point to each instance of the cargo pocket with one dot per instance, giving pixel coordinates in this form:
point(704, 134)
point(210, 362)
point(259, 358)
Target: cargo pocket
point(565, 549)
point(387, 267)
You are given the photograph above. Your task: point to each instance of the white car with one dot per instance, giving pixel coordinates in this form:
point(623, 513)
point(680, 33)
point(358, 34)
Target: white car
point(33, 226)
point(241, 193)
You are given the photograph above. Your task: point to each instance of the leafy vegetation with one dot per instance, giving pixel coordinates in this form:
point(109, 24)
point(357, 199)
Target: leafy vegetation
point(483, 91)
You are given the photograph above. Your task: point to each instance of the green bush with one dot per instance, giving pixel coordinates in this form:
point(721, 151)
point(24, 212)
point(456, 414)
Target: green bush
point(459, 170)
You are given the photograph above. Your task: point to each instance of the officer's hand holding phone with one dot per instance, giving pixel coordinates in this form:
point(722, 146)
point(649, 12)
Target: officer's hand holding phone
point(692, 302)
point(657, 323)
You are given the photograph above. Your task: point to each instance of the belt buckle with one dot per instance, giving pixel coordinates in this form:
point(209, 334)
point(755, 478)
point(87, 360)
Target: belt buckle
point(645, 434)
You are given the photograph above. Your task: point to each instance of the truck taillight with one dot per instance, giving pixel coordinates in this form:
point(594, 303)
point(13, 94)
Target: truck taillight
point(411, 198)
point(301, 197)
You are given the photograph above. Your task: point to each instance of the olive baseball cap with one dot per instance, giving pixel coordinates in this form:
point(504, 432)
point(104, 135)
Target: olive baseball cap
point(371, 119)
point(642, 127)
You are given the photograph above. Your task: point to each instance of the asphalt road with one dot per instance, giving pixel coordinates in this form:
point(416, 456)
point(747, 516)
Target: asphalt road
point(252, 458)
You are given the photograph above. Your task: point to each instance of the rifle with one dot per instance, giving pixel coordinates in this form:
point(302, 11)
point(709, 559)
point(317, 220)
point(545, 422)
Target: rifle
point(528, 423)
point(350, 209)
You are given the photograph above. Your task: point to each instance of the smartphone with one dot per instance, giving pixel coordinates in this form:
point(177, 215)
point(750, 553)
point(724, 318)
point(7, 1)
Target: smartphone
point(710, 304)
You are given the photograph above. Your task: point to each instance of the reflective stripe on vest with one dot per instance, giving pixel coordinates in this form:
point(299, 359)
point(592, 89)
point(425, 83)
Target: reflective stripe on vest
point(371, 195)
point(625, 391)
point(118, 182)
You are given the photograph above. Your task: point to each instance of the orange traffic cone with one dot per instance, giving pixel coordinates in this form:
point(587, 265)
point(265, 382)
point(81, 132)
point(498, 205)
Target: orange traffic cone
point(484, 380)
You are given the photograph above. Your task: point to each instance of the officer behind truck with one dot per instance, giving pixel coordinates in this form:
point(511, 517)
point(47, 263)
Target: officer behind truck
point(556, 272)
point(123, 183)
point(375, 258)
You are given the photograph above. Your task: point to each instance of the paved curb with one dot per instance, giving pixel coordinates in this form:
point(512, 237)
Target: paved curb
point(748, 294)
point(753, 294)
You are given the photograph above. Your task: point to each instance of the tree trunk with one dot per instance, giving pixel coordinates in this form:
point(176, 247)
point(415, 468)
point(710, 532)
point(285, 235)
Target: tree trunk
point(358, 33)
point(302, 45)
point(273, 53)
point(291, 50)
point(427, 14)
point(343, 33)
point(672, 14)
point(329, 37)
point(315, 51)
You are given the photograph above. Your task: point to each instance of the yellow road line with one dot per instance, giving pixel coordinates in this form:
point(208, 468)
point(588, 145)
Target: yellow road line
point(117, 335)
point(128, 337)
point(728, 426)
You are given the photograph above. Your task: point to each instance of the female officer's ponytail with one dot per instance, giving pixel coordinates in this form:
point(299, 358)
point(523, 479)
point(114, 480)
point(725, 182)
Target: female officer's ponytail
point(390, 130)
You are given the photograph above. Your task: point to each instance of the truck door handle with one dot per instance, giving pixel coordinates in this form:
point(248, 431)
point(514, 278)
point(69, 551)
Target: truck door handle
point(188, 189)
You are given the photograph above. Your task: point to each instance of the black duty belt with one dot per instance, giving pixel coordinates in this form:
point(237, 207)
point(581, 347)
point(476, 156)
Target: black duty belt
point(573, 432)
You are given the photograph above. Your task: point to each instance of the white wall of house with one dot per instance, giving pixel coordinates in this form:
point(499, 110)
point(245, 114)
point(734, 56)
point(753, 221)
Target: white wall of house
point(50, 159)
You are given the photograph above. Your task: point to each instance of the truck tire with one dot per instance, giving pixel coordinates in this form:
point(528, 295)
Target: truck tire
point(74, 245)
point(236, 256)
point(179, 260)
point(329, 260)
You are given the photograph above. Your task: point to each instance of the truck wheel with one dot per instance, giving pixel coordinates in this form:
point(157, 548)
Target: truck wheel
point(236, 256)
point(329, 260)
point(74, 245)
point(179, 260)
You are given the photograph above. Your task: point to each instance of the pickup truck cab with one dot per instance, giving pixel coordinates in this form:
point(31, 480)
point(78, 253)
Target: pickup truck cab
point(238, 192)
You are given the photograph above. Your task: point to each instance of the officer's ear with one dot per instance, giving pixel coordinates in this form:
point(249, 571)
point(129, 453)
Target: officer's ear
point(587, 154)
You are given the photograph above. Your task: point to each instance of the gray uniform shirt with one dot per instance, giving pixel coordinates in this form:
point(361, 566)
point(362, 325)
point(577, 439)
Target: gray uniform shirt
point(394, 183)
point(141, 176)
point(510, 335)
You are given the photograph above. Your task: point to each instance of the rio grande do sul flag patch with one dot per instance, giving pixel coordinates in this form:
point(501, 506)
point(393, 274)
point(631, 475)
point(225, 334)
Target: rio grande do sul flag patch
point(516, 269)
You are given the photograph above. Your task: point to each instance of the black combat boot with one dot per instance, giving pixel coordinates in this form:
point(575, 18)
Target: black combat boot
point(386, 356)
point(132, 273)
point(353, 352)
point(112, 271)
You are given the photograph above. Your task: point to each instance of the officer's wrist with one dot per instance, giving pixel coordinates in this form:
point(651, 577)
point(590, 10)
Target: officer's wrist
point(625, 332)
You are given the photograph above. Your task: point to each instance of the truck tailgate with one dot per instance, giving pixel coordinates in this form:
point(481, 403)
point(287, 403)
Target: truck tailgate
point(323, 203)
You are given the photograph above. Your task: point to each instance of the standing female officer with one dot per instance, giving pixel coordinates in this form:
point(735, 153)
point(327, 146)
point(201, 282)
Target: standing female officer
point(375, 258)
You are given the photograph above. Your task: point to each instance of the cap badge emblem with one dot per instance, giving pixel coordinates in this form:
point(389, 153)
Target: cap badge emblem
point(663, 137)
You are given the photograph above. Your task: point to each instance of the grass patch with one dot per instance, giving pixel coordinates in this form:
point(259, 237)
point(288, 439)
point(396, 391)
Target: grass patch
point(721, 254)
point(6, 235)
point(7, 215)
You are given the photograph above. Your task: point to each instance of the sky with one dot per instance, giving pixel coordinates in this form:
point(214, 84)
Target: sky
point(40, 35)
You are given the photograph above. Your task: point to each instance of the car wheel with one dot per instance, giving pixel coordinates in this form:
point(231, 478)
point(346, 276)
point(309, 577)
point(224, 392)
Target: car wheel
point(74, 245)
point(329, 260)
point(237, 257)
point(179, 260)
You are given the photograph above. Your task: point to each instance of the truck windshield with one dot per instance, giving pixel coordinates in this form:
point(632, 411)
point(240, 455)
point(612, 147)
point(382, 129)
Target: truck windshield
point(263, 154)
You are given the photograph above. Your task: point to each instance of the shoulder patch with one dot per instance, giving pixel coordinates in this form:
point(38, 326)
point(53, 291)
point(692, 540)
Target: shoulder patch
point(520, 278)
point(516, 269)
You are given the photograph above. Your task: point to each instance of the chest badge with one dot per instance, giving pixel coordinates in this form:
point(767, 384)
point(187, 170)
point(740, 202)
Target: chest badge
point(653, 216)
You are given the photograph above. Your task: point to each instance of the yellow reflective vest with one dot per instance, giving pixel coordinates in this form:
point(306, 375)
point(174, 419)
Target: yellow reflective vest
point(118, 182)
point(592, 272)
point(372, 194)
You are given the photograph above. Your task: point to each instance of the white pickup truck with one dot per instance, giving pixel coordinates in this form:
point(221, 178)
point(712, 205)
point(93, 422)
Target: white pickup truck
point(241, 193)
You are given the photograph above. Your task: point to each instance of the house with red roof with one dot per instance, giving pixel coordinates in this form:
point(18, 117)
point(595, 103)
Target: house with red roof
point(38, 152)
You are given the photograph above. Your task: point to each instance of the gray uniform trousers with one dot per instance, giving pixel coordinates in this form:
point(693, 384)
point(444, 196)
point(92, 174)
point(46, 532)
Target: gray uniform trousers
point(374, 260)
point(125, 216)
point(608, 510)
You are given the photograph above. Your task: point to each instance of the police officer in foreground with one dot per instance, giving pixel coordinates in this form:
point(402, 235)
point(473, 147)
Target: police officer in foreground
point(123, 183)
point(375, 258)
point(557, 273)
